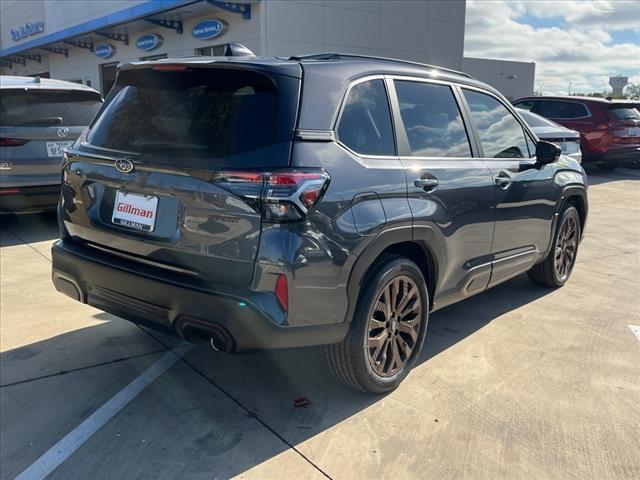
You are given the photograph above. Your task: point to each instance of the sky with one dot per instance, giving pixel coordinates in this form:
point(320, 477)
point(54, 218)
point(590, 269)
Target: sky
point(581, 43)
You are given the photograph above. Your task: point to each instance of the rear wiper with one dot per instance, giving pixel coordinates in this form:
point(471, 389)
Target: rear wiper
point(42, 121)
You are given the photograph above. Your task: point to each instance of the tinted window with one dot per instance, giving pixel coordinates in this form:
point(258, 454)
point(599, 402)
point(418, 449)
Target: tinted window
point(432, 120)
point(47, 107)
point(558, 109)
point(365, 125)
point(532, 147)
point(623, 113)
point(500, 133)
point(192, 114)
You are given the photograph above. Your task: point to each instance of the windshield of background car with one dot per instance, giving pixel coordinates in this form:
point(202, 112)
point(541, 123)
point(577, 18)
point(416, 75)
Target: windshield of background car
point(35, 108)
point(536, 121)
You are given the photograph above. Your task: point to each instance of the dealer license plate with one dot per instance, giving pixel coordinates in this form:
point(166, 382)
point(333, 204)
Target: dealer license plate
point(135, 211)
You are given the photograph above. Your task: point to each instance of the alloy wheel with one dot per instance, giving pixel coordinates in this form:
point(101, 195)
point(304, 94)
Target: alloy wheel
point(394, 326)
point(565, 249)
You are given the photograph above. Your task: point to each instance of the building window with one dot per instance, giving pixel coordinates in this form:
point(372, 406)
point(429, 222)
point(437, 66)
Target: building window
point(213, 51)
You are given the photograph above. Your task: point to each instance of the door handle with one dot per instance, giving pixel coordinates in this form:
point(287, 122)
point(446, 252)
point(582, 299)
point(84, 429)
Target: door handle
point(503, 179)
point(426, 184)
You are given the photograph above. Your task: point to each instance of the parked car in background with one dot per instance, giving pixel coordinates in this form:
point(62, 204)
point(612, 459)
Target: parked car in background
point(568, 140)
point(329, 199)
point(39, 118)
point(609, 130)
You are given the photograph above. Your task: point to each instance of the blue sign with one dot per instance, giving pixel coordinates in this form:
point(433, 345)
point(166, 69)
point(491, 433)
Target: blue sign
point(150, 41)
point(209, 29)
point(105, 50)
point(26, 30)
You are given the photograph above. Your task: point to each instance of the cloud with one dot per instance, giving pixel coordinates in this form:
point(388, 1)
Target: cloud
point(578, 50)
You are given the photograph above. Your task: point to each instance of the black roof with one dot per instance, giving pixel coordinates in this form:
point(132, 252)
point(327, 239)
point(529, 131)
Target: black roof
point(358, 65)
point(326, 75)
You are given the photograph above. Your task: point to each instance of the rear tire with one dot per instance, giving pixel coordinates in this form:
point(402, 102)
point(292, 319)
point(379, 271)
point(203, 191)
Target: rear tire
point(387, 331)
point(556, 268)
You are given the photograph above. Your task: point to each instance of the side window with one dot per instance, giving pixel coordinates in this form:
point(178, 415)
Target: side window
point(365, 125)
point(499, 132)
point(532, 146)
point(559, 109)
point(432, 120)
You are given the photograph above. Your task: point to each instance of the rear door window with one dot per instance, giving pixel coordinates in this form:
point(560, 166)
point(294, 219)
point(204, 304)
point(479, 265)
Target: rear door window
point(500, 134)
point(200, 114)
point(46, 108)
point(560, 109)
point(365, 124)
point(432, 120)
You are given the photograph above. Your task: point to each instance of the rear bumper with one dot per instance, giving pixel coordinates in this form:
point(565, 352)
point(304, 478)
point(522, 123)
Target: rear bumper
point(29, 199)
point(619, 156)
point(235, 322)
point(622, 155)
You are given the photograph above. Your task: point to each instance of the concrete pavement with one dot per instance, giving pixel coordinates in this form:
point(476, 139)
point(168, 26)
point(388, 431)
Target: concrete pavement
point(517, 382)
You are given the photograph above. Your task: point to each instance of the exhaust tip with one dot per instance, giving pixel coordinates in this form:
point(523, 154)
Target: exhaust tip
point(199, 331)
point(67, 287)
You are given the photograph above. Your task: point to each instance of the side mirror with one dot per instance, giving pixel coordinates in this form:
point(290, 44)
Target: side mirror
point(547, 152)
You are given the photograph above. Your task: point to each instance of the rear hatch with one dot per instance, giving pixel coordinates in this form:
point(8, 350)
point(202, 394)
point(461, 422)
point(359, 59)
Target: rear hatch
point(36, 125)
point(624, 123)
point(170, 172)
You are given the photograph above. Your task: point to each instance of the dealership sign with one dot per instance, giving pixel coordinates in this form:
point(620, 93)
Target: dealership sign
point(105, 50)
point(26, 30)
point(209, 29)
point(150, 41)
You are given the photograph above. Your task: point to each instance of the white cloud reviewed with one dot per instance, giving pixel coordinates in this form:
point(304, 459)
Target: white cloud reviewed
point(580, 50)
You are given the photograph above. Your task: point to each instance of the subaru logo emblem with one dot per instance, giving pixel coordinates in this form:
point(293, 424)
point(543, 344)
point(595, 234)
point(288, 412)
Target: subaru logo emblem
point(123, 165)
point(63, 132)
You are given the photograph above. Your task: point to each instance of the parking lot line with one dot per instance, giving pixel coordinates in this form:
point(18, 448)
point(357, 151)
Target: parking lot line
point(73, 440)
point(636, 330)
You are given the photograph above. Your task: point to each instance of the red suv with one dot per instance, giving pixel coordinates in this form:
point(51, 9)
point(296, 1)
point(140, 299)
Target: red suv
point(609, 130)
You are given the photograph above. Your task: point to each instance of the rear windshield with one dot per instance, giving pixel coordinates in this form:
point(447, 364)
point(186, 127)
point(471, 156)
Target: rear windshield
point(199, 113)
point(44, 108)
point(535, 121)
point(623, 113)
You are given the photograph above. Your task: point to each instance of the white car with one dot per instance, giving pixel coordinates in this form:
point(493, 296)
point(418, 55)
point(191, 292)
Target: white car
point(568, 140)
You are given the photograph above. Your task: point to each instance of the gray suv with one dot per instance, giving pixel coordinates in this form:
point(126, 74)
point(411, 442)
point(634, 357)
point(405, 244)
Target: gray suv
point(39, 118)
point(328, 199)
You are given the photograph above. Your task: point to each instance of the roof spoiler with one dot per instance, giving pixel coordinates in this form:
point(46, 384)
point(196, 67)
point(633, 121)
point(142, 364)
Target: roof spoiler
point(337, 56)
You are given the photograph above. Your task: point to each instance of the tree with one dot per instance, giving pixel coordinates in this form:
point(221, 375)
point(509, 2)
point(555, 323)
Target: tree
point(633, 91)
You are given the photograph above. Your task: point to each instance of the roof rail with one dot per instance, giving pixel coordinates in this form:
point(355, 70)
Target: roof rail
point(337, 55)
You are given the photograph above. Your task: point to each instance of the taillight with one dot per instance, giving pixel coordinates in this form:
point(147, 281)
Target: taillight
point(170, 68)
point(12, 142)
point(282, 292)
point(281, 196)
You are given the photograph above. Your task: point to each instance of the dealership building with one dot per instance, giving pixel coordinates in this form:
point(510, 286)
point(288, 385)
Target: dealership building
point(83, 41)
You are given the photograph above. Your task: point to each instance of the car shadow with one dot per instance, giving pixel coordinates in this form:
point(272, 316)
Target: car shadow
point(597, 176)
point(264, 385)
point(28, 228)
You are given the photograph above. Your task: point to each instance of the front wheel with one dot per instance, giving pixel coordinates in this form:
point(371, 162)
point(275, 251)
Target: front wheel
point(387, 330)
point(556, 268)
